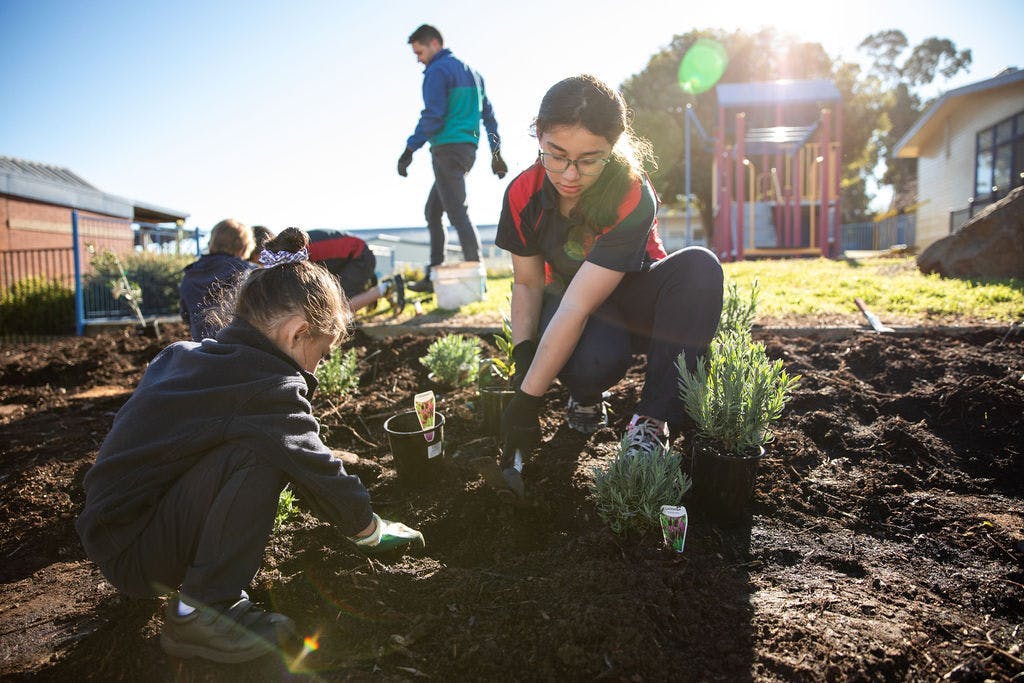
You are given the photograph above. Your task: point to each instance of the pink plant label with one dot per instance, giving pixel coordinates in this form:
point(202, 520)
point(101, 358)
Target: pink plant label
point(425, 406)
point(673, 526)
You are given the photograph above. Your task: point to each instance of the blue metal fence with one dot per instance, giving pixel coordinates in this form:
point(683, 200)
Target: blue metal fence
point(891, 232)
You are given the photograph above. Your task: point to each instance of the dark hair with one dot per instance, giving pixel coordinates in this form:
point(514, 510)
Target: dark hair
point(588, 102)
point(261, 235)
point(270, 295)
point(424, 34)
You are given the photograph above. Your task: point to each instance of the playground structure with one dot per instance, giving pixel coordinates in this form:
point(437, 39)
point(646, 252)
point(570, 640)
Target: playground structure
point(776, 171)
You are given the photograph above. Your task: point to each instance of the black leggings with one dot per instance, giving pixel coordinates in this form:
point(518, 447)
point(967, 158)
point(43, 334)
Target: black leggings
point(674, 307)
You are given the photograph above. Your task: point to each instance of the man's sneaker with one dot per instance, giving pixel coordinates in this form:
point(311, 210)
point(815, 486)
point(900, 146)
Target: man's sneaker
point(227, 633)
point(421, 286)
point(645, 435)
point(586, 419)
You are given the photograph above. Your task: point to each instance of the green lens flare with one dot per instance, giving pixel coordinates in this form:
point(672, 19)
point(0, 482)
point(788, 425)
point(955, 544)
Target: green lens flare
point(702, 66)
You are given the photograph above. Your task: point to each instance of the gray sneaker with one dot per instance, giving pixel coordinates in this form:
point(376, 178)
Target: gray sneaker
point(586, 419)
point(645, 436)
point(238, 633)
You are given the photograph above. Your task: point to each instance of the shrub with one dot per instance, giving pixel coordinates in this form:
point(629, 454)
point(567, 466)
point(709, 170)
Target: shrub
point(629, 493)
point(736, 393)
point(338, 375)
point(453, 359)
point(738, 313)
point(37, 305)
point(156, 275)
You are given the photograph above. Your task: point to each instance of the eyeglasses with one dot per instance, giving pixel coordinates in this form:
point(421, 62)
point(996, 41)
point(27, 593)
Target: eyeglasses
point(558, 164)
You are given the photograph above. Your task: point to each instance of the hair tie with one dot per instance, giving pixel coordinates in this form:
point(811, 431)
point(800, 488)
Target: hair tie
point(269, 259)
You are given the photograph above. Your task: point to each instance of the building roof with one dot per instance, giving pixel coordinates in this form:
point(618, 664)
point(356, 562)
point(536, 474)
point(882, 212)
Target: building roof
point(63, 187)
point(909, 145)
point(819, 90)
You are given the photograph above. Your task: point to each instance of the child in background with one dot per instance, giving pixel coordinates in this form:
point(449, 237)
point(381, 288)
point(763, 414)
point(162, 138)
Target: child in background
point(185, 487)
point(350, 259)
point(206, 280)
point(260, 235)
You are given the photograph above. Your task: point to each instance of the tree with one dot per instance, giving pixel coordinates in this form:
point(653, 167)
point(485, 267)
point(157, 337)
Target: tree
point(658, 104)
point(902, 103)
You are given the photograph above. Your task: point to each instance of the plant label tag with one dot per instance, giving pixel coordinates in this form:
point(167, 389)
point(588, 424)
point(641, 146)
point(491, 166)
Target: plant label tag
point(424, 405)
point(673, 526)
point(433, 450)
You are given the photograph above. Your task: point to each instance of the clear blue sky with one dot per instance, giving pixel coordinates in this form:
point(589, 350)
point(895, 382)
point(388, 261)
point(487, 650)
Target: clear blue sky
point(295, 113)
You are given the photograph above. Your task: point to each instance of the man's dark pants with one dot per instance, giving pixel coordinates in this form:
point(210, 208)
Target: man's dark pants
point(448, 195)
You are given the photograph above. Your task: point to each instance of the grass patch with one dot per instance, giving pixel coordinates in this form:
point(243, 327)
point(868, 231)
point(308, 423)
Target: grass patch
point(890, 286)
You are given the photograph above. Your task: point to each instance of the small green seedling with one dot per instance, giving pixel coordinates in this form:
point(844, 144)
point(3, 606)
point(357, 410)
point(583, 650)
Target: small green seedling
point(498, 370)
point(286, 508)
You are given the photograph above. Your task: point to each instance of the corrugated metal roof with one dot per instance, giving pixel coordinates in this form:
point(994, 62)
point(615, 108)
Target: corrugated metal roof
point(731, 95)
point(63, 187)
point(35, 169)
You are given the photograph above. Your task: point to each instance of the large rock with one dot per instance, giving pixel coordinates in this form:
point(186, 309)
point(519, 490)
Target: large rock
point(989, 245)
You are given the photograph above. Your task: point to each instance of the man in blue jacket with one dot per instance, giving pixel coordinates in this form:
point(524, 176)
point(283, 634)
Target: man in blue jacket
point(454, 102)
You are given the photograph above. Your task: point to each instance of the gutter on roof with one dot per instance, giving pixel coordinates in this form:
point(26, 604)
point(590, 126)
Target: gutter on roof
point(988, 84)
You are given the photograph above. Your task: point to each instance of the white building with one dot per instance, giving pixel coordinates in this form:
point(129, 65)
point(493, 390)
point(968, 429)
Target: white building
point(969, 147)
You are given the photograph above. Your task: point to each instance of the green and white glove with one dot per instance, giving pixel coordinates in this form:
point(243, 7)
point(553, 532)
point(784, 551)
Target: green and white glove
point(388, 536)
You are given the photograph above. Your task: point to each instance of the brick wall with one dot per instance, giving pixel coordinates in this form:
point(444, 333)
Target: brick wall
point(34, 225)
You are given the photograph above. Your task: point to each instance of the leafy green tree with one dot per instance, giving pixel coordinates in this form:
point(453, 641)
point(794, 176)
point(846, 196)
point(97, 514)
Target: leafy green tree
point(878, 105)
point(902, 101)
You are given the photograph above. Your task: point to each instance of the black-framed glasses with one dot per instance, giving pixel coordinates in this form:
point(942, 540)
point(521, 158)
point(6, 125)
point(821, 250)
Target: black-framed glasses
point(556, 163)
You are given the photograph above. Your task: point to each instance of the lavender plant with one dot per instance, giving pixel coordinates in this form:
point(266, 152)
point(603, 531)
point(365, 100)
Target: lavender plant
point(736, 393)
point(453, 359)
point(338, 375)
point(629, 492)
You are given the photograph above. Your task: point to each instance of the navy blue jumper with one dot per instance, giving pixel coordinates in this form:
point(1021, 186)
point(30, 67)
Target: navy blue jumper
point(185, 486)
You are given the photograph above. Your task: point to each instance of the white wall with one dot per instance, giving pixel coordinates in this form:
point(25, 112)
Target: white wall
point(945, 166)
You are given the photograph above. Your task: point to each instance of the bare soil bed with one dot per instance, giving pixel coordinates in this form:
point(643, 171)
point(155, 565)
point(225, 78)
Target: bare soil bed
point(886, 541)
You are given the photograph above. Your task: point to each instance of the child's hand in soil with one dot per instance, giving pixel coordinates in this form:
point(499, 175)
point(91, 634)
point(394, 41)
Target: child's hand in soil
point(389, 536)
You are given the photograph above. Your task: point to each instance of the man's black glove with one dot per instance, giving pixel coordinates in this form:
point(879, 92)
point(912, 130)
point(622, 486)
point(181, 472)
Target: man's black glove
point(520, 425)
point(404, 161)
point(498, 165)
point(522, 357)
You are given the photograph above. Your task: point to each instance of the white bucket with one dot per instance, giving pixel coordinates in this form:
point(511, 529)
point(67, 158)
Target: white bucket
point(459, 284)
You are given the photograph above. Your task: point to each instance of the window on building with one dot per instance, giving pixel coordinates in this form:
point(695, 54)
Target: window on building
point(999, 161)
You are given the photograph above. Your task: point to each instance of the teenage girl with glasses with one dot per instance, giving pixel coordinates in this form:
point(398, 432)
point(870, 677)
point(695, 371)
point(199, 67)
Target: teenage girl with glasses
point(592, 281)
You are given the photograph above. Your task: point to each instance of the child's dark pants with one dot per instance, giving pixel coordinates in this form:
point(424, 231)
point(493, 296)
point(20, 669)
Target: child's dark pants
point(208, 532)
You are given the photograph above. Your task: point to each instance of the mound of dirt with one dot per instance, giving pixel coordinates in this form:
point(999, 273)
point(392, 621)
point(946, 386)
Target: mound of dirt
point(886, 541)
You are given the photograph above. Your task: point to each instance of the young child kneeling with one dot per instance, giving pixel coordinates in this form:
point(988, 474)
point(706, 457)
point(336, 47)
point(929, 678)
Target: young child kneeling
point(185, 487)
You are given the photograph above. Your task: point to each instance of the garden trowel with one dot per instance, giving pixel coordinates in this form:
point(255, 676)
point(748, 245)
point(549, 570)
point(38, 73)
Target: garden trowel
point(512, 473)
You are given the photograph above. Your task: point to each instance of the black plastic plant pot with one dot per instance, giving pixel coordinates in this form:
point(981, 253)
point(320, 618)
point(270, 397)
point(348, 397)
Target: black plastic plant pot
point(492, 404)
point(723, 483)
point(417, 452)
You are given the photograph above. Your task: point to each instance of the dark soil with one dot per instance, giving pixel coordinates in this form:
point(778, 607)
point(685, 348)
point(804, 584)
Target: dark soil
point(886, 541)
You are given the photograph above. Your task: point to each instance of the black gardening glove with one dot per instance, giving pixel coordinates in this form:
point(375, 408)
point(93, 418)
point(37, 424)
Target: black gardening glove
point(520, 425)
point(522, 356)
point(404, 161)
point(498, 165)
